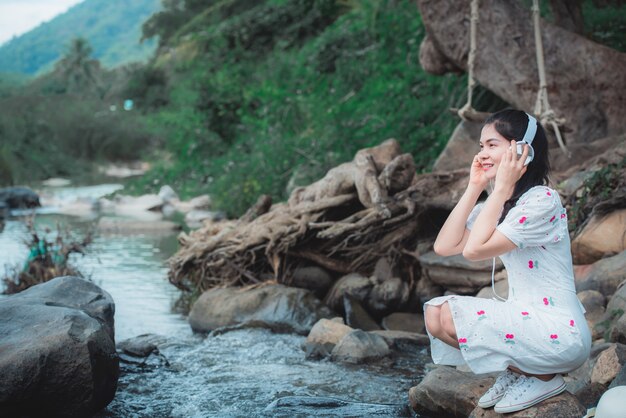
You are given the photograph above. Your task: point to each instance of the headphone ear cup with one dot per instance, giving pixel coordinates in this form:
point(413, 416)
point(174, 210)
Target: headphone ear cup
point(531, 151)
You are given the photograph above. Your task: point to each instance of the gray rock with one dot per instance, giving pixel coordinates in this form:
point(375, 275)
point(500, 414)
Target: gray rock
point(502, 289)
point(323, 337)
point(602, 236)
point(141, 345)
point(603, 275)
point(425, 290)
point(301, 406)
point(383, 270)
point(167, 194)
point(397, 339)
point(617, 332)
point(278, 307)
point(388, 296)
point(460, 148)
point(314, 278)
point(57, 353)
point(359, 346)
point(404, 321)
point(19, 197)
point(447, 392)
point(620, 378)
point(357, 316)
point(352, 284)
point(609, 364)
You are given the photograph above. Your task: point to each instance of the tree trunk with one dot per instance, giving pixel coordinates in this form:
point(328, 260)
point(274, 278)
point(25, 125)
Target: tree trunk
point(586, 81)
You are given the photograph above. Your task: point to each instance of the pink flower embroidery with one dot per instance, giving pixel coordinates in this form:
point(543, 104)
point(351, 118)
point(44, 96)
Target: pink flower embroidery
point(548, 193)
point(563, 215)
point(509, 339)
point(552, 218)
point(463, 343)
point(571, 322)
point(522, 219)
point(547, 301)
point(481, 314)
point(462, 340)
point(533, 264)
point(525, 315)
point(554, 339)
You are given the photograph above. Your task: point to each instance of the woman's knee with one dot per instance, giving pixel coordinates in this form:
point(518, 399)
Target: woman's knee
point(432, 320)
point(446, 321)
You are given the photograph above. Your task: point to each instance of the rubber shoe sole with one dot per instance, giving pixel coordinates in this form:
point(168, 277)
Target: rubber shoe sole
point(529, 403)
point(489, 404)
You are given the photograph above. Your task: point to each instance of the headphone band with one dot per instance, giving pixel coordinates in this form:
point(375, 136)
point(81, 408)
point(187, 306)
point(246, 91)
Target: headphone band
point(531, 129)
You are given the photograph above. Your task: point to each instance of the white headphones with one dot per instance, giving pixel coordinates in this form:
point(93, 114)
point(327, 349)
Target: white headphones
point(529, 135)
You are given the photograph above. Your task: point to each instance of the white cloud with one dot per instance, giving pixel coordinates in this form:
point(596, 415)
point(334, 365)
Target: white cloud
point(20, 16)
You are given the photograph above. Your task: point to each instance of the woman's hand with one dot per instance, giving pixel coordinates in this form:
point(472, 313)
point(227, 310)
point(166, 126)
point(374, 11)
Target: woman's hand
point(478, 177)
point(511, 168)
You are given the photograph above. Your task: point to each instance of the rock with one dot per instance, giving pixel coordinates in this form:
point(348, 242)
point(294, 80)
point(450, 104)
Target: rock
point(404, 321)
point(323, 337)
point(359, 346)
point(594, 303)
point(19, 198)
point(603, 275)
point(130, 226)
point(609, 363)
point(400, 338)
point(145, 202)
point(425, 290)
point(56, 182)
point(141, 345)
point(278, 307)
point(57, 352)
point(461, 147)
point(457, 274)
point(502, 289)
point(589, 395)
point(617, 332)
point(614, 311)
point(620, 378)
point(357, 316)
point(560, 406)
point(388, 296)
point(195, 217)
point(201, 202)
point(601, 237)
point(314, 278)
point(301, 406)
point(167, 194)
point(448, 392)
point(352, 284)
point(383, 270)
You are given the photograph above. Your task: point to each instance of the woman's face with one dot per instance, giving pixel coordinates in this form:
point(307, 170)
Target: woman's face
point(492, 148)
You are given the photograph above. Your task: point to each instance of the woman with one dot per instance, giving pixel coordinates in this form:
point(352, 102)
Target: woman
point(540, 331)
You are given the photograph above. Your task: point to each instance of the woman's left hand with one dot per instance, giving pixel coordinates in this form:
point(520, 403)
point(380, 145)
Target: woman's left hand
point(511, 168)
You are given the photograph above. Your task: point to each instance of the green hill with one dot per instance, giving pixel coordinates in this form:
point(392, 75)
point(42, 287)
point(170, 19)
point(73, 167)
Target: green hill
point(112, 27)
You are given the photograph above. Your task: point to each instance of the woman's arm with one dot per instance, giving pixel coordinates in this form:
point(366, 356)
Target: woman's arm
point(453, 235)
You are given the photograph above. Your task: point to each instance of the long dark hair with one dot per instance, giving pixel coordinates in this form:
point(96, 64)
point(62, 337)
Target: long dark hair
point(512, 124)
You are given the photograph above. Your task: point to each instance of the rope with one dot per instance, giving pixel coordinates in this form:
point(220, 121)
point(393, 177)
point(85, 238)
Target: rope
point(542, 106)
point(467, 112)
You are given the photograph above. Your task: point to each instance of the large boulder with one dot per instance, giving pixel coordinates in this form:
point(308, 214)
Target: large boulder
point(359, 346)
point(609, 364)
point(461, 147)
point(19, 197)
point(324, 336)
point(458, 274)
point(354, 285)
point(57, 351)
point(602, 236)
point(278, 307)
point(560, 406)
point(603, 275)
point(313, 278)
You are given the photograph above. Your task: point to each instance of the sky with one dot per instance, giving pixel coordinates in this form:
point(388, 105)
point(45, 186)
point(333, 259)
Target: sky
point(20, 16)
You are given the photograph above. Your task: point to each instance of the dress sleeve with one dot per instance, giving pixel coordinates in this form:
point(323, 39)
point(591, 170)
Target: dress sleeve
point(537, 219)
point(473, 215)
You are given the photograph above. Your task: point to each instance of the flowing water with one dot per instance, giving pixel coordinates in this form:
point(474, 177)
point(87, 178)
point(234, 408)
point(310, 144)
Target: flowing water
point(236, 374)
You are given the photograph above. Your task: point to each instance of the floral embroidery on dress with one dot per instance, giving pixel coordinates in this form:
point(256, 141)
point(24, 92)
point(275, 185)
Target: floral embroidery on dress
point(533, 264)
point(481, 315)
point(463, 343)
point(548, 193)
point(571, 322)
point(553, 218)
point(525, 315)
point(509, 339)
point(548, 301)
point(523, 219)
point(554, 339)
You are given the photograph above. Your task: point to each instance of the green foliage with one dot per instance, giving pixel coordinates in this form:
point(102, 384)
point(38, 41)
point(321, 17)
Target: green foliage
point(112, 28)
point(606, 25)
point(267, 104)
point(42, 137)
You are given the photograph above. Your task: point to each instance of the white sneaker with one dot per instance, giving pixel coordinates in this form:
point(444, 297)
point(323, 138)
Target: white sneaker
point(528, 391)
point(496, 392)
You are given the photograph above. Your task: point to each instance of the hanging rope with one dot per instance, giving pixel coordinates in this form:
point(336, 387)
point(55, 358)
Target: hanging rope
point(542, 106)
point(467, 112)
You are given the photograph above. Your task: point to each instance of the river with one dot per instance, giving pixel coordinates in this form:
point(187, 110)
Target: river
point(236, 374)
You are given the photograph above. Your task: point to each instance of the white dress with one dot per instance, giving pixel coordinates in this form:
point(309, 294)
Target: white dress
point(541, 327)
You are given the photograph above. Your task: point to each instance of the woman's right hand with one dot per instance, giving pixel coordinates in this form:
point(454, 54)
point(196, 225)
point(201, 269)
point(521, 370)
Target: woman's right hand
point(478, 177)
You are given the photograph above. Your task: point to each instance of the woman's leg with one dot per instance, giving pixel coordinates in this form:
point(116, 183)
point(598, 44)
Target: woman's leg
point(433, 317)
point(544, 377)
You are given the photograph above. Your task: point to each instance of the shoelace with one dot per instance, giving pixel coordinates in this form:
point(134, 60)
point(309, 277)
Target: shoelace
point(503, 381)
point(519, 387)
